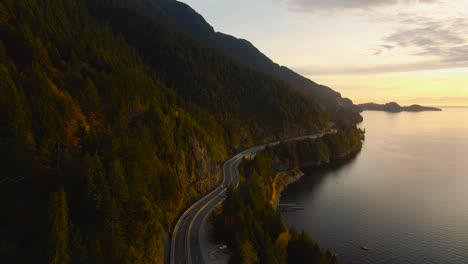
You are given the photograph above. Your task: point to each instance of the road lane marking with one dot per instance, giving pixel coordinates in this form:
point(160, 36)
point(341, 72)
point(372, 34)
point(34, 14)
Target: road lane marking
point(187, 242)
point(227, 167)
point(191, 225)
point(185, 214)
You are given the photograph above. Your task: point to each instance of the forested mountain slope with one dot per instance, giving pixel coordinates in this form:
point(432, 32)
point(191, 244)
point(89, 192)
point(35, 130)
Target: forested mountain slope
point(111, 124)
point(187, 20)
point(247, 101)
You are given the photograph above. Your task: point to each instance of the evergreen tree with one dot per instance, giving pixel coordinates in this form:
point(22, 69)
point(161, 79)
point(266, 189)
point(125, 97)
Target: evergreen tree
point(138, 118)
point(60, 229)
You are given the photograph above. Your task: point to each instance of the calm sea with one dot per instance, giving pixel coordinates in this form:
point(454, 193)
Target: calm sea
point(405, 196)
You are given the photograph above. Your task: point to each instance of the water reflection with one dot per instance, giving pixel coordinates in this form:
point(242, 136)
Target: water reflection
point(404, 196)
point(314, 177)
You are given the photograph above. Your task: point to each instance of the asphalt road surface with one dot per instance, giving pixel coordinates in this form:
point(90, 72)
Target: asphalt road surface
point(185, 247)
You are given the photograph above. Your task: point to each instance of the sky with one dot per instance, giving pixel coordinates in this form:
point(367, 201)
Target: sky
point(409, 51)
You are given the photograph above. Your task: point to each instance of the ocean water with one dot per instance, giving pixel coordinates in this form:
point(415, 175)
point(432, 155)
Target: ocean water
point(405, 196)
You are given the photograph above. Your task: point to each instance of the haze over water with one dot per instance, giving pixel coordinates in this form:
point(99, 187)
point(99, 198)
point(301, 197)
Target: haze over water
point(405, 195)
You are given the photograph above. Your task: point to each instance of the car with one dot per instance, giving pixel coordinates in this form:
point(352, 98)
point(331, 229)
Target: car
point(223, 247)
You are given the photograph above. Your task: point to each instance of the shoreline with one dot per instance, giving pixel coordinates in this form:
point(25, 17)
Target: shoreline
point(257, 199)
point(298, 173)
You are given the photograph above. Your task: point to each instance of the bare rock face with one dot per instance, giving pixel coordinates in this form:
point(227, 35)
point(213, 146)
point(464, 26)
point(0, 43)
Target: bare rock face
point(206, 167)
point(198, 171)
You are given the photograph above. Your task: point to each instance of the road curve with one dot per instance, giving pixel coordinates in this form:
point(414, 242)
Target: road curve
point(185, 247)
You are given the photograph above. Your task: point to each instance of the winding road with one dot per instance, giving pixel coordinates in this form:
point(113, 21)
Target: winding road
point(185, 247)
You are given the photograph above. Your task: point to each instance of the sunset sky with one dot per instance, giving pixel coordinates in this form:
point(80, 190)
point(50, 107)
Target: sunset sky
point(413, 51)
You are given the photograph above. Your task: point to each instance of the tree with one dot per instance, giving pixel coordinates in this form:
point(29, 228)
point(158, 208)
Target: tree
point(96, 189)
point(302, 250)
point(119, 187)
point(60, 232)
point(248, 253)
point(78, 251)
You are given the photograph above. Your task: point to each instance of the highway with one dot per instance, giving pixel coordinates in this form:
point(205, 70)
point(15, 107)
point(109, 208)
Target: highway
point(185, 247)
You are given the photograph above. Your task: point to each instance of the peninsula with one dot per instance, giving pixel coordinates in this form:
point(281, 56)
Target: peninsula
point(395, 108)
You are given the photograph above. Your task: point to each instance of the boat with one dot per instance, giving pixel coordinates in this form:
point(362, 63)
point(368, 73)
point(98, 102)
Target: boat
point(365, 248)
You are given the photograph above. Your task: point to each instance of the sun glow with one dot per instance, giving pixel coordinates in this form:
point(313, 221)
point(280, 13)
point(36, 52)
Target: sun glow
point(379, 51)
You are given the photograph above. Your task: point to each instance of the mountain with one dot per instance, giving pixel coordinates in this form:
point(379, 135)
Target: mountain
point(395, 108)
point(189, 21)
point(208, 78)
point(112, 122)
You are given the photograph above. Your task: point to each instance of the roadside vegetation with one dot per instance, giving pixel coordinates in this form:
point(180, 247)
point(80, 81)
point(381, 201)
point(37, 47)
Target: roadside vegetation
point(247, 220)
point(112, 123)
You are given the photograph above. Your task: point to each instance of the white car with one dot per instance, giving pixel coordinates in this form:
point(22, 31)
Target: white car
point(223, 247)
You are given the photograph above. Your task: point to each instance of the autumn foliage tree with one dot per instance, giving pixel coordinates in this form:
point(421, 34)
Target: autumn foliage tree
point(112, 123)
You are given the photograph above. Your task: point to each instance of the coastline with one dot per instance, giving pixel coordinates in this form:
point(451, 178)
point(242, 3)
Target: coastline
point(396, 108)
point(279, 185)
point(296, 174)
point(250, 209)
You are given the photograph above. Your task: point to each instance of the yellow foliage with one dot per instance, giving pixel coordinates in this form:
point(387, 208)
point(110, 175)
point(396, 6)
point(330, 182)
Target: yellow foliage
point(248, 253)
point(31, 141)
point(283, 240)
point(4, 16)
point(74, 117)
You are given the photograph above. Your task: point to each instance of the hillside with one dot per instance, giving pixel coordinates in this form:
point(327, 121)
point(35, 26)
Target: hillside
point(185, 19)
point(112, 123)
point(246, 101)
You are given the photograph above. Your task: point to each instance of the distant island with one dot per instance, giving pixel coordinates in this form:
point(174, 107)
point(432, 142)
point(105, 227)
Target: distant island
point(396, 108)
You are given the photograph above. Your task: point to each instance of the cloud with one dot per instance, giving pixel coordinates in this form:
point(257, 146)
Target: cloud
point(384, 68)
point(445, 40)
point(388, 47)
point(426, 34)
point(433, 44)
point(311, 6)
point(425, 37)
point(376, 52)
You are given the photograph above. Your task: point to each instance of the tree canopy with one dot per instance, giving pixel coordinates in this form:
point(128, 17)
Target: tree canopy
point(112, 123)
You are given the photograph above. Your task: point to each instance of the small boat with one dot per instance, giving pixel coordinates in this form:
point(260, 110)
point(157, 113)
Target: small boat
point(365, 248)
